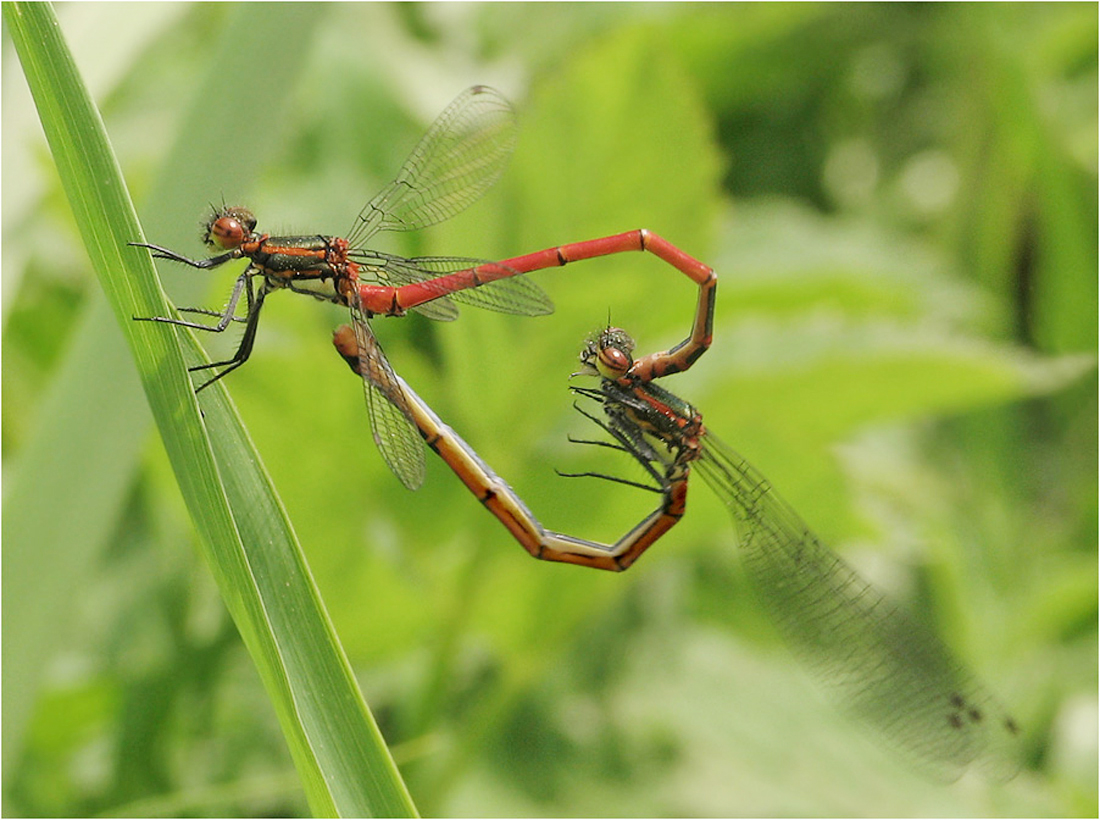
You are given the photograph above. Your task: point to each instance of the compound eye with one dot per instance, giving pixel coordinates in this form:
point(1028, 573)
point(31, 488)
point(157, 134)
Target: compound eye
point(613, 362)
point(230, 228)
point(227, 233)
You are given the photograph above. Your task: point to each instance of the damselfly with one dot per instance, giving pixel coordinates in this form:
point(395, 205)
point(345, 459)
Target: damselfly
point(463, 153)
point(877, 662)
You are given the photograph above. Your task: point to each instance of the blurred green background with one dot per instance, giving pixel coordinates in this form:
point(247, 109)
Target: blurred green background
point(901, 205)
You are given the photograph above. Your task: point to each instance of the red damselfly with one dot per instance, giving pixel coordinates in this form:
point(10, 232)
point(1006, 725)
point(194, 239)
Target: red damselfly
point(462, 154)
point(880, 665)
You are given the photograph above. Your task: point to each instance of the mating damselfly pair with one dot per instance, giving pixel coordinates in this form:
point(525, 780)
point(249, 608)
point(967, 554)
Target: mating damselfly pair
point(881, 665)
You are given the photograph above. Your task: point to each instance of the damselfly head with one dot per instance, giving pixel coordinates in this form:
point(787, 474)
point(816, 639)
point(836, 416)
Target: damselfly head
point(607, 354)
point(228, 227)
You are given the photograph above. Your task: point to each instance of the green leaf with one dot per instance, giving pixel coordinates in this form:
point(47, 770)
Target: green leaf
point(245, 536)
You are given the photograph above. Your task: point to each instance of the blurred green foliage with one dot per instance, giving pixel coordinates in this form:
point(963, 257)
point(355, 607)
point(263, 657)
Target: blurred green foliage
point(901, 205)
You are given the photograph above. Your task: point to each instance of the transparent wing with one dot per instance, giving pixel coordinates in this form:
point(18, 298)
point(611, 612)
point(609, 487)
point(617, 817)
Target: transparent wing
point(511, 293)
point(464, 153)
point(395, 434)
point(878, 663)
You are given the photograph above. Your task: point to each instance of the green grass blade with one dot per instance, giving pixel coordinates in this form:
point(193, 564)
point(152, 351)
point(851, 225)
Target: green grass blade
point(244, 534)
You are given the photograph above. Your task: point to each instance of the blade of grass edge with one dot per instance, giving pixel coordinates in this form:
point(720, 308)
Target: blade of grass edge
point(341, 758)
